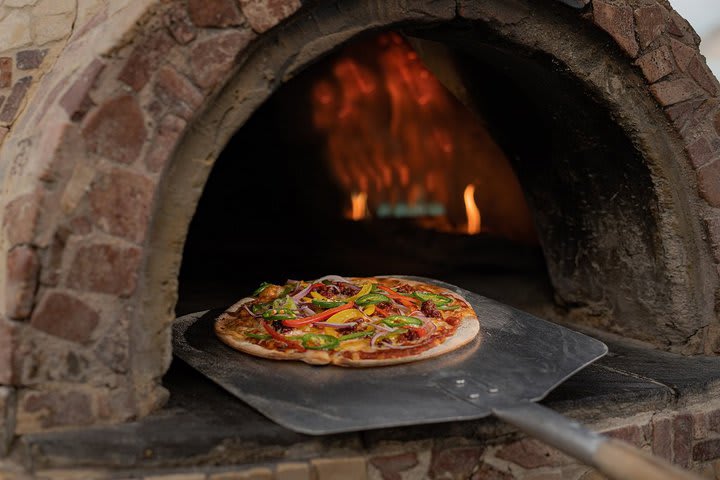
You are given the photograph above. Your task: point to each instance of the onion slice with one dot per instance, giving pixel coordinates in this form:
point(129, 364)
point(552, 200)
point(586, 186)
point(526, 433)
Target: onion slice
point(333, 278)
point(336, 325)
point(303, 292)
point(255, 315)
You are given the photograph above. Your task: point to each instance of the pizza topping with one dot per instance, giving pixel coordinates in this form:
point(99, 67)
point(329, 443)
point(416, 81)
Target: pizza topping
point(430, 309)
point(317, 341)
point(371, 299)
point(318, 317)
point(401, 321)
point(353, 336)
point(281, 338)
point(436, 299)
point(270, 292)
point(281, 314)
point(327, 303)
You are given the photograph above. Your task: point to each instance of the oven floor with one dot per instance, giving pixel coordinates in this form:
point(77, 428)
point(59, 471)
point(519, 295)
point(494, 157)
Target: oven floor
point(204, 425)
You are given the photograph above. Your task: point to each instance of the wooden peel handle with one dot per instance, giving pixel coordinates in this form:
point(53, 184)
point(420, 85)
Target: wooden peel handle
point(615, 459)
point(622, 461)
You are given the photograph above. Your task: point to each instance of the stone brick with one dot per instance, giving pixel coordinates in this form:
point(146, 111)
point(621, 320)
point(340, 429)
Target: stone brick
point(712, 225)
point(631, 434)
point(662, 438)
point(177, 93)
point(265, 14)
point(65, 316)
point(458, 462)
point(121, 202)
point(709, 182)
point(14, 100)
point(680, 27)
point(75, 100)
point(670, 92)
point(650, 23)
point(5, 72)
point(488, 472)
point(714, 419)
point(8, 342)
point(177, 476)
point(15, 31)
point(50, 28)
point(707, 450)
point(145, 58)
point(20, 217)
point(30, 59)
point(682, 439)
point(657, 64)
point(683, 54)
point(48, 409)
point(178, 23)
point(292, 471)
point(619, 22)
point(21, 281)
point(212, 58)
point(260, 473)
point(214, 13)
point(113, 348)
point(116, 130)
point(105, 268)
point(53, 7)
point(699, 71)
point(530, 453)
point(391, 466)
point(701, 152)
point(7, 420)
point(168, 134)
point(716, 122)
point(348, 468)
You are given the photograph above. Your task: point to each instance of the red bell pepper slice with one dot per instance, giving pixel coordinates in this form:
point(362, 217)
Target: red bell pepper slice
point(406, 301)
point(318, 317)
point(280, 338)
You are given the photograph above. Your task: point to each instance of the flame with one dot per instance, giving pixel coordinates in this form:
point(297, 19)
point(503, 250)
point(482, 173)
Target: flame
point(472, 211)
point(358, 206)
point(392, 131)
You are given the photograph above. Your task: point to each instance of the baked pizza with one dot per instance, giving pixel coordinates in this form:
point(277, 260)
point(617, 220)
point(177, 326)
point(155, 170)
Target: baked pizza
point(351, 322)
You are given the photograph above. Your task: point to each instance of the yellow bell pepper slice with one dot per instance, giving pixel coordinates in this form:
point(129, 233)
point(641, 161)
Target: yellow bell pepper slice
point(369, 310)
point(367, 288)
point(345, 316)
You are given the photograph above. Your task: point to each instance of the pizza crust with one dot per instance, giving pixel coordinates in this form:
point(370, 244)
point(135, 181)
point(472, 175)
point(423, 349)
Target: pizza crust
point(467, 330)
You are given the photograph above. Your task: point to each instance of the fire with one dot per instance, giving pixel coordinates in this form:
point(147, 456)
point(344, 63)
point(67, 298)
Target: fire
point(472, 211)
point(358, 206)
point(392, 131)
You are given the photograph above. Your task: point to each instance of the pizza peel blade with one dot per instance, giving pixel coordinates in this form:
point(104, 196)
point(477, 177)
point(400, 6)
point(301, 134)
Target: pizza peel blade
point(517, 358)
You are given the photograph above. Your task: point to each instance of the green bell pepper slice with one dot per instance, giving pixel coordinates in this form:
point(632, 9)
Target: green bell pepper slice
point(438, 300)
point(327, 303)
point(372, 299)
point(353, 336)
point(318, 341)
point(281, 314)
point(401, 321)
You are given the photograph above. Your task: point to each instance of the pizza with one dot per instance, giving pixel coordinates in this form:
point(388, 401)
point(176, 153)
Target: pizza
point(350, 322)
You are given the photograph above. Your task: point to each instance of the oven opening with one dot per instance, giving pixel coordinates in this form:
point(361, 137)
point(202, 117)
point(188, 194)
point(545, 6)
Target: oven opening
point(364, 164)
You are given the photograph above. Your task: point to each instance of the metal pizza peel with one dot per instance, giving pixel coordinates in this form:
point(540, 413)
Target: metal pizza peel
point(515, 361)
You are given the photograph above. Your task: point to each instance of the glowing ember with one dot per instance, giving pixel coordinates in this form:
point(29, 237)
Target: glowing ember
point(471, 209)
point(358, 206)
point(395, 133)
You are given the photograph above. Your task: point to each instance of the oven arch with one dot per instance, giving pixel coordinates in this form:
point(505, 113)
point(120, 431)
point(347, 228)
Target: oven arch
point(63, 173)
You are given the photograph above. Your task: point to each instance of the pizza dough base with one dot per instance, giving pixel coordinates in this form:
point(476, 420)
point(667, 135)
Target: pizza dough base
point(467, 330)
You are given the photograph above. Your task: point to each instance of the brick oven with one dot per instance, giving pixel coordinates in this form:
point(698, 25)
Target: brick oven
point(125, 141)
